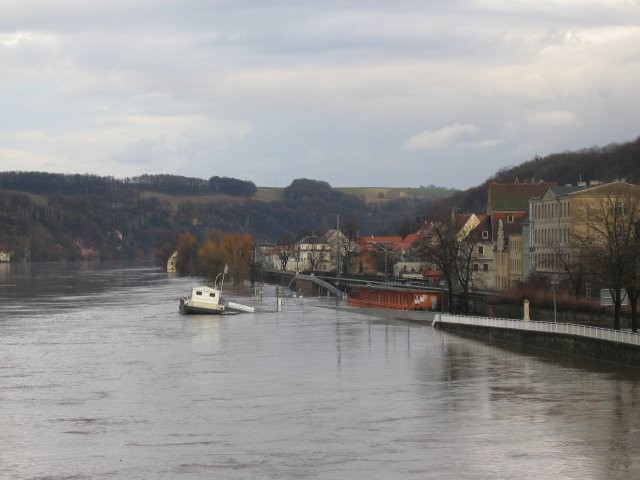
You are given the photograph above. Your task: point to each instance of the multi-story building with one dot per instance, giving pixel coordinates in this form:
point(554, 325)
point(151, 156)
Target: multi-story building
point(509, 252)
point(313, 253)
point(552, 222)
point(559, 218)
point(508, 208)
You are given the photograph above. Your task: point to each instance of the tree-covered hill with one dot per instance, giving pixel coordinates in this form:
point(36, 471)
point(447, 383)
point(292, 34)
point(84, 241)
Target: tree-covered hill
point(46, 216)
point(608, 163)
point(611, 162)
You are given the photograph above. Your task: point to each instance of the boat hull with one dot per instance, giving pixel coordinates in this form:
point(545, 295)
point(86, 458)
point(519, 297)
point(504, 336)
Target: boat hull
point(188, 308)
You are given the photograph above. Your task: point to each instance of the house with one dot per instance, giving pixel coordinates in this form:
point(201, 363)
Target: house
point(509, 252)
point(484, 258)
point(508, 208)
point(341, 244)
point(313, 253)
point(278, 256)
point(5, 254)
point(172, 262)
point(513, 197)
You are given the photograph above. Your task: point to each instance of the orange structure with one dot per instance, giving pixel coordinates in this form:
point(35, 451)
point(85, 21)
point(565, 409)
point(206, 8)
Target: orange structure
point(394, 298)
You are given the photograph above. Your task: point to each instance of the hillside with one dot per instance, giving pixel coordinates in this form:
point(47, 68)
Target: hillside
point(611, 162)
point(606, 163)
point(45, 216)
point(63, 217)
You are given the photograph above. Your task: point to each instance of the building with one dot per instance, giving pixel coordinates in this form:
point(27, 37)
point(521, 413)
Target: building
point(5, 254)
point(313, 253)
point(380, 254)
point(172, 262)
point(559, 218)
point(509, 252)
point(508, 208)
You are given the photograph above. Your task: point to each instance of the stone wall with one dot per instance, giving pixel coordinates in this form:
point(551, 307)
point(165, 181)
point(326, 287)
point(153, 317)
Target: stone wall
point(621, 353)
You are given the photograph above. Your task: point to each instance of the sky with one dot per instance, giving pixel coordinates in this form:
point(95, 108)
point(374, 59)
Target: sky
point(401, 93)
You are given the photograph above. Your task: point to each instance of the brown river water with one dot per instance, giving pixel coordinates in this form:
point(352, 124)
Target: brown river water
point(102, 378)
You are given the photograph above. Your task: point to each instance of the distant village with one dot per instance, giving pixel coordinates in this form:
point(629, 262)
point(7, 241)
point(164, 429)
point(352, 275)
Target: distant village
point(528, 228)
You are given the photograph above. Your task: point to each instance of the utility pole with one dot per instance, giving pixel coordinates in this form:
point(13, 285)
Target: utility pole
point(337, 258)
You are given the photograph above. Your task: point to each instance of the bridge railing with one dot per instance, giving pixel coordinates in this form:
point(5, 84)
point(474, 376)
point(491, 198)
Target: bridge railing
point(620, 336)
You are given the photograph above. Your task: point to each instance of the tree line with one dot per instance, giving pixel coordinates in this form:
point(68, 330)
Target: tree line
point(44, 183)
point(98, 218)
point(231, 253)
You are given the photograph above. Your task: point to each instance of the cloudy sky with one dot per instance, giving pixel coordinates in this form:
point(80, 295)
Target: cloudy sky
point(396, 93)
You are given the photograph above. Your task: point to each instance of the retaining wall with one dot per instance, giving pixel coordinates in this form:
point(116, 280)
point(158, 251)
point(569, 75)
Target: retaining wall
point(624, 354)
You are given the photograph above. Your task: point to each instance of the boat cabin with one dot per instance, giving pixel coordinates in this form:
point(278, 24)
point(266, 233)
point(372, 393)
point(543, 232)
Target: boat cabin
point(205, 294)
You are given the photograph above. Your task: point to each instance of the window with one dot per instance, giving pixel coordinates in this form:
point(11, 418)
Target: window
point(485, 234)
point(480, 250)
point(509, 218)
point(485, 267)
point(475, 267)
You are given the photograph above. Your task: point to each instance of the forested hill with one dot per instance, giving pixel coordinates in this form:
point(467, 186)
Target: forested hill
point(53, 183)
point(46, 216)
point(611, 162)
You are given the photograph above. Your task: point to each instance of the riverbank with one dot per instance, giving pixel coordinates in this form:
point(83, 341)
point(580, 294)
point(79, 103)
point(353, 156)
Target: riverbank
point(601, 344)
point(599, 349)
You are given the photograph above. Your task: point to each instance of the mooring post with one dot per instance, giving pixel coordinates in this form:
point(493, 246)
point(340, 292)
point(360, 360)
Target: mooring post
point(525, 303)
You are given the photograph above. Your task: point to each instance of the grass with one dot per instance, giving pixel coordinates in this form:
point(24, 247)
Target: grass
point(275, 194)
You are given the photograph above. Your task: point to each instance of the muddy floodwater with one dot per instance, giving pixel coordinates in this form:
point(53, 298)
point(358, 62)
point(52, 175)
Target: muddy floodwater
point(102, 378)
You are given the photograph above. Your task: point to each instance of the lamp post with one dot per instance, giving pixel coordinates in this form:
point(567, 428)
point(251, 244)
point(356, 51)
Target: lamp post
point(554, 286)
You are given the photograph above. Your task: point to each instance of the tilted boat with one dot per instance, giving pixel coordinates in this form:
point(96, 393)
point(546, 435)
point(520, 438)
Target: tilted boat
point(202, 300)
point(208, 300)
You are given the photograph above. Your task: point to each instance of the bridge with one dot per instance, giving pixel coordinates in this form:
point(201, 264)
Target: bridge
point(329, 288)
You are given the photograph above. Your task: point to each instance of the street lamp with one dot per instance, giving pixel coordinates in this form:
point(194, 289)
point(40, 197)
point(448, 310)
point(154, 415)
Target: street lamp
point(554, 286)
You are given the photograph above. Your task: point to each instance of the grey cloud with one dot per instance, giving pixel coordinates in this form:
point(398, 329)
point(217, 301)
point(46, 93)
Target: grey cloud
point(349, 91)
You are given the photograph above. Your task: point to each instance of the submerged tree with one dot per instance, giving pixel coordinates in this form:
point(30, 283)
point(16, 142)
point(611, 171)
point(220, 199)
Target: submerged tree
point(237, 250)
point(187, 253)
point(210, 259)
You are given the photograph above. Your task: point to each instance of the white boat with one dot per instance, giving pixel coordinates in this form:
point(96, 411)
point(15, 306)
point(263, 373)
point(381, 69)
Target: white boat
point(208, 300)
point(202, 300)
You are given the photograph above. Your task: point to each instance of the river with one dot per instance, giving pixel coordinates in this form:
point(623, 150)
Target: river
point(102, 378)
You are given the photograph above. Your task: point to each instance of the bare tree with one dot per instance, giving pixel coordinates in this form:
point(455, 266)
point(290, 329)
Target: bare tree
point(574, 267)
point(452, 249)
point(607, 236)
point(317, 253)
point(285, 252)
point(438, 249)
point(465, 274)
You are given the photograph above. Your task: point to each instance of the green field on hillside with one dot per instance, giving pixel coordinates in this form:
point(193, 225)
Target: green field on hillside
point(383, 193)
point(275, 194)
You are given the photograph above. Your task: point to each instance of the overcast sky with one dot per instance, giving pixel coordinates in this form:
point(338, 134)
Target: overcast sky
point(396, 93)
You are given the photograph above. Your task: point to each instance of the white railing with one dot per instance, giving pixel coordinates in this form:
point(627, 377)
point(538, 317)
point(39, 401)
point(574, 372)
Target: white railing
point(620, 336)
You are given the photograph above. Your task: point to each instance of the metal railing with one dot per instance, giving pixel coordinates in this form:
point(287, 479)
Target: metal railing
point(620, 336)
